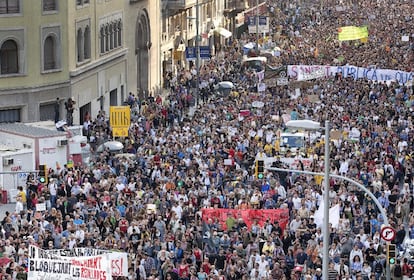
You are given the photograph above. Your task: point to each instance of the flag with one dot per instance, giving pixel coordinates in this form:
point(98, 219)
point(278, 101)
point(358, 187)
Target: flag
point(333, 215)
point(348, 33)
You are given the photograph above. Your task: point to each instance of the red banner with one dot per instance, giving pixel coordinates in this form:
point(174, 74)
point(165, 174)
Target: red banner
point(219, 215)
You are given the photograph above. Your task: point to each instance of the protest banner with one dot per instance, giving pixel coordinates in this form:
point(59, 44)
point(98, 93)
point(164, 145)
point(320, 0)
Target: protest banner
point(83, 268)
point(298, 72)
point(249, 216)
point(118, 260)
point(348, 33)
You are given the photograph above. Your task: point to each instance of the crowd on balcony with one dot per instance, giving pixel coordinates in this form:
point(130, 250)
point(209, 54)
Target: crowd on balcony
point(185, 159)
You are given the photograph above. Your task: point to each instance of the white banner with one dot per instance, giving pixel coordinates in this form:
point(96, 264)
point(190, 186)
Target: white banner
point(84, 268)
point(118, 260)
point(306, 72)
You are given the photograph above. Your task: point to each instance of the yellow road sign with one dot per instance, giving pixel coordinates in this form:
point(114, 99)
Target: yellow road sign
point(120, 120)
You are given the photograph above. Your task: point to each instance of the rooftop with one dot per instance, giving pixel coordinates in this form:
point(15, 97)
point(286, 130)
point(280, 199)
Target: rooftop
point(30, 131)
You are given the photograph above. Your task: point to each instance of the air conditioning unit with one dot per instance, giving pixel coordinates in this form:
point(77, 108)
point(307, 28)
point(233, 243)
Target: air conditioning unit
point(8, 161)
point(27, 146)
point(62, 143)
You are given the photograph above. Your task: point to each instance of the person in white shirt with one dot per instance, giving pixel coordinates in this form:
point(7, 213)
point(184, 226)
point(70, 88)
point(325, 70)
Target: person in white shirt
point(119, 185)
point(87, 187)
point(295, 224)
point(19, 205)
point(80, 233)
point(53, 188)
point(263, 263)
point(178, 210)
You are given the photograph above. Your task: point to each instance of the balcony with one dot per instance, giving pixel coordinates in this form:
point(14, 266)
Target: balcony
point(239, 5)
point(180, 4)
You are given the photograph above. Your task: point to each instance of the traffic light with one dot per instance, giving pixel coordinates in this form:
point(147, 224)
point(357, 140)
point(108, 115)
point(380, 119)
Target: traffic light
point(43, 173)
point(259, 169)
point(391, 253)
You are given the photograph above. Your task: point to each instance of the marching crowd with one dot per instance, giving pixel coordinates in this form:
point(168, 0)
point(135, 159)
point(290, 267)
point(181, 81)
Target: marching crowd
point(148, 200)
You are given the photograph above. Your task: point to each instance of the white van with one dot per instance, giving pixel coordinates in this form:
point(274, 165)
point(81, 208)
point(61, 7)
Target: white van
point(294, 142)
point(258, 63)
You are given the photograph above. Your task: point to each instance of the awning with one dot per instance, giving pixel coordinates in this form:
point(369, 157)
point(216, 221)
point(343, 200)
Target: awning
point(223, 32)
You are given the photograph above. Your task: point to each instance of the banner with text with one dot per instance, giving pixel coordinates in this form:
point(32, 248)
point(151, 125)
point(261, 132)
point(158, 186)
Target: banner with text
point(348, 33)
point(83, 268)
point(118, 260)
point(249, 216)
point(308, 72)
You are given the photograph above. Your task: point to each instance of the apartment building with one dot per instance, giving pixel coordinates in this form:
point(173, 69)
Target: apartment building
point(92, 51)
point(216, 24)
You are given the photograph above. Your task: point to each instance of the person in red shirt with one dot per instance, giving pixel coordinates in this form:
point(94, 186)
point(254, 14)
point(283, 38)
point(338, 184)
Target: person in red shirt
point(183, 269)
point(123, 225)
point(206, 266)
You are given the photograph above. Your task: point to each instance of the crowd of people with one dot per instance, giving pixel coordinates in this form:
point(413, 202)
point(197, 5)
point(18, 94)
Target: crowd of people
point(180, 159)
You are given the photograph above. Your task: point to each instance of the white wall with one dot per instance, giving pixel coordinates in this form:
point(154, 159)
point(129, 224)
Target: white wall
point(22, 161)
point(50, 153)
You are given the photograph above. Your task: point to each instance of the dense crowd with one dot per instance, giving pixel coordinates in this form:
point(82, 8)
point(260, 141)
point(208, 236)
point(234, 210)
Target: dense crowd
point(177, 156)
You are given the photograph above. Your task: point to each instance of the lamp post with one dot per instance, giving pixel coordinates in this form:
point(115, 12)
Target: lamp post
point(257, 26)
point(307, 124)
point(312, 125)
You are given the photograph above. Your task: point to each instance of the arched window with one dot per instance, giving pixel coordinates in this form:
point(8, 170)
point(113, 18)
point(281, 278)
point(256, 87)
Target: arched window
point(49, 53)
point(102, 43)
point(111, 36)
point(9, 57)
point(107, 38)
point(115, 28)
point(79, 45)
point(119, 27)
point(87, 43)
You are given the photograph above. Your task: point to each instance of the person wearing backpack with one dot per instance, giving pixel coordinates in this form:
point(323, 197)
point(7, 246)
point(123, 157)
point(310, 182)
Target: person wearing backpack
point(406, 270)
point(397, 271)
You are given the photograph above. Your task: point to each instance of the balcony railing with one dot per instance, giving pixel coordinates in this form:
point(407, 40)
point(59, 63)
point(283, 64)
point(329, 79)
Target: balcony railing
point(181, 4)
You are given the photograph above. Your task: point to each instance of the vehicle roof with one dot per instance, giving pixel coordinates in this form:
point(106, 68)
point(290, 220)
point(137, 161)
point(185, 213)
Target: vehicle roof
point(261, 58)
point(292, 134)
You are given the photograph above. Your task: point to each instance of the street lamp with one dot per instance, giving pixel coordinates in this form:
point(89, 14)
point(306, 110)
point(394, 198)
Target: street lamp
point(312, 125)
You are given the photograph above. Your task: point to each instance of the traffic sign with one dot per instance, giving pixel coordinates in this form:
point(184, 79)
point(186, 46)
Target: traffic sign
point(120, 120)
point(388, 233)
point(191, 53)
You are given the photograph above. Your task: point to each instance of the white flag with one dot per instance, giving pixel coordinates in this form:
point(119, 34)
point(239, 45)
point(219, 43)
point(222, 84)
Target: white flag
point(333, 215)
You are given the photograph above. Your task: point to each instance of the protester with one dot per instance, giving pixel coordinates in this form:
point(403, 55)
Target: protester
point(183, 159)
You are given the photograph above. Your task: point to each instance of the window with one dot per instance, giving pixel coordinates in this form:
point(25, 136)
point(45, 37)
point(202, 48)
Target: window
point(9, 6)
point(9, 57)
point(102, 43)
point(119, 28)
point(79, 45)
point(82, 2)
point(10, 116)
point(49, 53)
point(110, 36)
point(107, 39)
point(87, 43)
point(49, 5)
point(115, 34)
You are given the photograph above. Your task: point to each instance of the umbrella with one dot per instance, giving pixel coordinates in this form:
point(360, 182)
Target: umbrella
point(113, 146)
point(226, 85)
